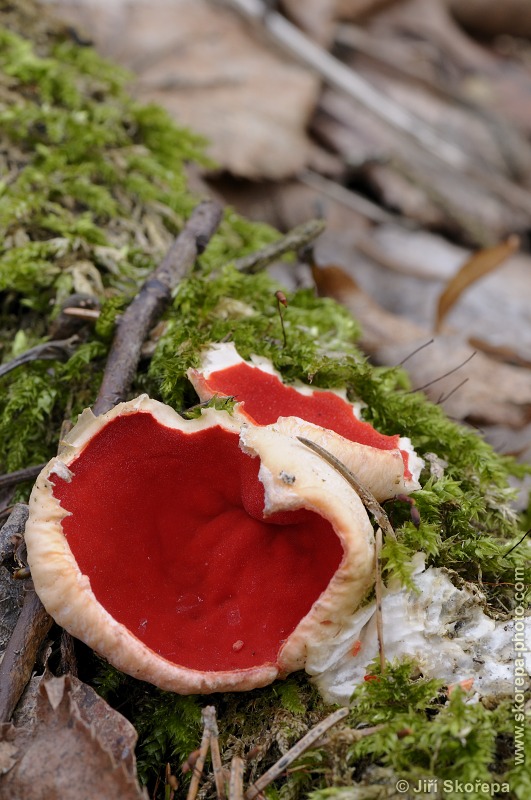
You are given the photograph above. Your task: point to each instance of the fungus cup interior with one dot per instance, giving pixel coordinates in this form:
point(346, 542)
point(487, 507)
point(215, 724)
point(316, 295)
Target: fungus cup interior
point(265, 398)
point(168, 527)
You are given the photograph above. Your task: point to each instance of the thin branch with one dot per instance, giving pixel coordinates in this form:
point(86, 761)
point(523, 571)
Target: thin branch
point(217, 766)
point(519, 542)
point(446, 374)
point(444, 397)
point(298, 237)
point(236, 778)
point(366, 497)
point(21, 475)
point(25, 642)
point(82, 313)
point(151, 301)
point(203, 752)
point(12, 531)
point(56, 350)
point(297, 750)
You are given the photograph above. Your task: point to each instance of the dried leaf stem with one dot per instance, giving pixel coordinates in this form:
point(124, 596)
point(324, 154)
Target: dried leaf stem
point(366, 497)
point(298, 749)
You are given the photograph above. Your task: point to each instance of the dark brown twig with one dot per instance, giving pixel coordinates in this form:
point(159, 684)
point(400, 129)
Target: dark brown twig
point(56, 350)
point(21, 475)
point(12, 532)
point(298, 237)
point(17, 664)
point(151, 301)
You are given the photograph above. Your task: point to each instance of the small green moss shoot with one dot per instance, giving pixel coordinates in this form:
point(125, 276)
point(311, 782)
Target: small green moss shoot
point(89, 177)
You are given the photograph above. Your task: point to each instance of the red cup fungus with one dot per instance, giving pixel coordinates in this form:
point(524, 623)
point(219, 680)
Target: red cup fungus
point(200, 555)
point(388, 465)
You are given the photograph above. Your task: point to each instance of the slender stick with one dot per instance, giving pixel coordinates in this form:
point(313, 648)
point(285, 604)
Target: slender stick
point(210, 732)
point(341, 77)
point(216, 755)
point(446, 374)
point(236, 778)
point(21, 475)
point(366, 497)
point(82, 313)
point(298, 749)
point(16, 667)
point(151, 301)
point(56, 350)
point(298, 237)
point(201, 758)
point(348, 198)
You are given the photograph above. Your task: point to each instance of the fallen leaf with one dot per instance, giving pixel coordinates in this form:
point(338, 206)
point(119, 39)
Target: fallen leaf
point(63, 755)
point(213, 74)
point(480, 264)
point(442, 367)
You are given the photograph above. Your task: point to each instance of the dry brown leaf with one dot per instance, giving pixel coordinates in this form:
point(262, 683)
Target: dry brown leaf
point(461, 384)
point(476, 267)
point(213, 74)
point(500, 353)
point(63, 756)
